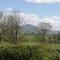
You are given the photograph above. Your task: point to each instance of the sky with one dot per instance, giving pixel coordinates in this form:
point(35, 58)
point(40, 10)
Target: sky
point(35, 11)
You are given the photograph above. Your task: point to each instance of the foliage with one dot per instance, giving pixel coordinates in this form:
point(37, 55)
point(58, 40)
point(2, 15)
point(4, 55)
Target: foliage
point(25, 52)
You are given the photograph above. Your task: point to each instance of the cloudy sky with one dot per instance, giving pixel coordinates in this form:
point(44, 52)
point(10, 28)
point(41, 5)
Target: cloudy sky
point(35, 11)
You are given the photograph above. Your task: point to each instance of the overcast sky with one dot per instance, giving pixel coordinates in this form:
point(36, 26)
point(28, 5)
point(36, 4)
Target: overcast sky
point(35, 11)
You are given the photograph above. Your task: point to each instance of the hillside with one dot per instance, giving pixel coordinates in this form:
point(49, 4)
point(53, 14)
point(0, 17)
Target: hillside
point(29, 28)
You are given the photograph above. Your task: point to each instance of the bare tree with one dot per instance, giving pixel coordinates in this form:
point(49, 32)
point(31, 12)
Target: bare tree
point(15, 23)
point(18, 25)
point(1, 16)
point(10, 26)
point(43, 28)
point(3, 26)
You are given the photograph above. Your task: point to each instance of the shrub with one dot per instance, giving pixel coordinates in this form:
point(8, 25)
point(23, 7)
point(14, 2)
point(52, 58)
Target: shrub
point(14, 52)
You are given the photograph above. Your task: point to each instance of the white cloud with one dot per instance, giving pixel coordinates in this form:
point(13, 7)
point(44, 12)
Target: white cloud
point(43, 1)
point(35, 19)
point(30, 18)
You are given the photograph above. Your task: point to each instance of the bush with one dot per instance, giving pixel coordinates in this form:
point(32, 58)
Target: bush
point(14, 52)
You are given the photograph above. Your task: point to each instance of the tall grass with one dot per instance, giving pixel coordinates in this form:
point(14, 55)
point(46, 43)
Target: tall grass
point(27, 52)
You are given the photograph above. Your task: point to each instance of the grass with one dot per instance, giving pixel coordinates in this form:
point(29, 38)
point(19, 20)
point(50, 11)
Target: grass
point(50, 46)
point(46, 51)
point(30, 45)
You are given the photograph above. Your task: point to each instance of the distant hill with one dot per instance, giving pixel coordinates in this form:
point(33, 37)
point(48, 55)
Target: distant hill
point(28, 28)
point(54, 31)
